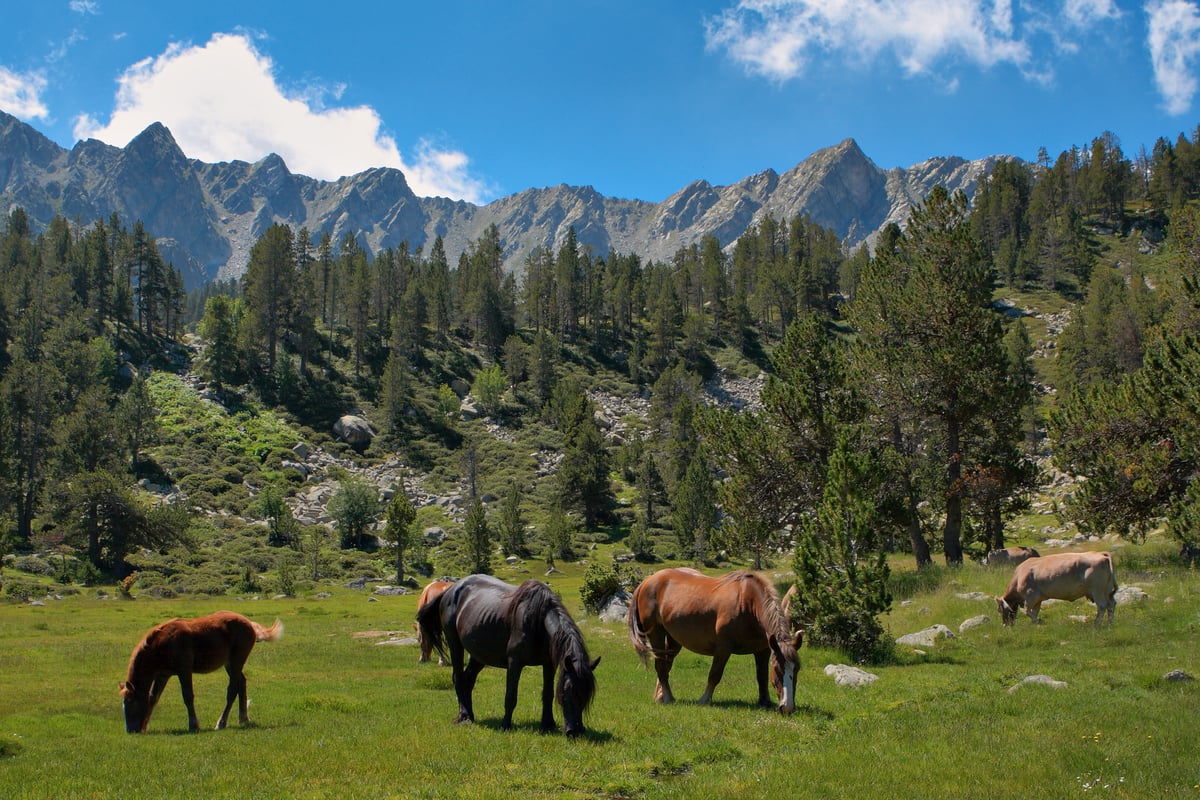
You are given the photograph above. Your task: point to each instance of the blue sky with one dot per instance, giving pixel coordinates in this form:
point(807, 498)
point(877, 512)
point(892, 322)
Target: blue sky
point(477, 99)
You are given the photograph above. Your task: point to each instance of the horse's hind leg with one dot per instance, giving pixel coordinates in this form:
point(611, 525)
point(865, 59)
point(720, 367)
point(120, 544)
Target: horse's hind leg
point(464, 685)
point(663, 661)
point(236, 689)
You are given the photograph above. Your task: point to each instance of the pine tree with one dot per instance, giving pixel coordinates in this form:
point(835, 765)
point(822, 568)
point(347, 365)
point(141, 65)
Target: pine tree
point(398, 531)
point(476, 553)
point(511, 526)
point(929, 352)
point(841, 567)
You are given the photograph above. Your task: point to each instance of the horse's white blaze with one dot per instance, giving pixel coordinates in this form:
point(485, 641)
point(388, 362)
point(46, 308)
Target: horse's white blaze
point(787, 702)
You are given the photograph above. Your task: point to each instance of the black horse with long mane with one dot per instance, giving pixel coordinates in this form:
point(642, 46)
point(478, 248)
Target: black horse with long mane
point(512, 627)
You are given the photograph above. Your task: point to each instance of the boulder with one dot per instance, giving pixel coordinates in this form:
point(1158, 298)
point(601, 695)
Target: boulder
point(973, 622)
point(1042, 680)
point(844, 675)
point(1127, 595)
point(926, 638)
point(354, 430)
point(616, 609)
point(295, 466)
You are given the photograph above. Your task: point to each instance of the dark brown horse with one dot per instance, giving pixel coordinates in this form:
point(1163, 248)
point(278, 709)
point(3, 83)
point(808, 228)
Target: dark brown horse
point(182, 647)
point(432, 590)
point(512, 627)
point(737, 614)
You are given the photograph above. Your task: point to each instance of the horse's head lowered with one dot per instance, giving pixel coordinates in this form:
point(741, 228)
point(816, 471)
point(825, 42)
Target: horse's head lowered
point(137, 706)
point(575, 690)
point(785, 666)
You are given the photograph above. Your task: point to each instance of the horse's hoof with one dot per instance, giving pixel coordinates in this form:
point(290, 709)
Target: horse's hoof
point(461, 718)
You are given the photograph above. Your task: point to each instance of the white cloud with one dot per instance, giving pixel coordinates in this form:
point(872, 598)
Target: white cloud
point(222, 102)
point(774, 38)
point(777, 38)
point(1174, 41)
point(85, 6)
point(1082, 13)
point(21, 94)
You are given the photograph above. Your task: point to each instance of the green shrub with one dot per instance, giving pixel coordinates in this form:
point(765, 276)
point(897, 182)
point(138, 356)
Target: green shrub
point(34, 565)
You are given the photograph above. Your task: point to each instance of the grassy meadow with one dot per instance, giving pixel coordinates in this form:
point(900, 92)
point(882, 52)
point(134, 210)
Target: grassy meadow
point(335, 715)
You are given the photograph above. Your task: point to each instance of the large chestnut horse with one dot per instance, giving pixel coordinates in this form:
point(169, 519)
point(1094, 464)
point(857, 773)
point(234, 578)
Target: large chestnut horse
point(432, 590)
point(512, 627)
point(182, 647)
point(738, 614)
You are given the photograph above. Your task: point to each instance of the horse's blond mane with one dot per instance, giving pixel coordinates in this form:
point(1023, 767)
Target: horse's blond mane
point(774, 620)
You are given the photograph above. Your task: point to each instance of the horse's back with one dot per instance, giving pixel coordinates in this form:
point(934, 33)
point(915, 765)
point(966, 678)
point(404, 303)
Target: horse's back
point(703, 613)
point(202, 644)
point(473, 613)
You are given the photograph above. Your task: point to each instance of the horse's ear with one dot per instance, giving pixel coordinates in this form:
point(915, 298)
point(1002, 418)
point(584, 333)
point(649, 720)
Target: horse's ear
point(122, 688)
point(798, 639)
point(594, 664)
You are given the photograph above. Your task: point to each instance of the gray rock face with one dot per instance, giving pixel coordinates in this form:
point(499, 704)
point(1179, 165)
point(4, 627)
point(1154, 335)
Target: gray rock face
point(207, 216)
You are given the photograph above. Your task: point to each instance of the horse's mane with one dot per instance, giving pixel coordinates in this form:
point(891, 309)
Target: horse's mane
point(143, 647)
point(771, 613)
point(534, 608)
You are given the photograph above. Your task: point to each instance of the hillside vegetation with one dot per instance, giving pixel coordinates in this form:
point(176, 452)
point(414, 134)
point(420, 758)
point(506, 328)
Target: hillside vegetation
point(953, 383)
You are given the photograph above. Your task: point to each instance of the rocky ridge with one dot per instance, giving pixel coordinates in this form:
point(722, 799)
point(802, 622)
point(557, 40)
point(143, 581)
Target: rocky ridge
point(207, 216)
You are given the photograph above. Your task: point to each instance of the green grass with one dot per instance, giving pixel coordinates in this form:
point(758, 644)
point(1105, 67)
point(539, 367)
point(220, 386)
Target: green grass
point(336, 715)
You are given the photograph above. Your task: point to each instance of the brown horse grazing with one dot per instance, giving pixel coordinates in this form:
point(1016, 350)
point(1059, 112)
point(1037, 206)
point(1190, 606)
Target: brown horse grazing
point(512, 627)
point(737, 614)
point(182, 647)
point(431, 591)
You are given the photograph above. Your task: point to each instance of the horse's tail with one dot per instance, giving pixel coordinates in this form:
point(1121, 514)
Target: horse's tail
point(637, 634)
point(429, 625)
point(271, 634)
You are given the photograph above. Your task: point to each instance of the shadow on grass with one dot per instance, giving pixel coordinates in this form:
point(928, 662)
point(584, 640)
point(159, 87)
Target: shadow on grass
point(590, 734)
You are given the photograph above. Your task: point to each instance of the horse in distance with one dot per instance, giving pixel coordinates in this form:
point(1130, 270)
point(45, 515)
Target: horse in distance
point(493, 624)
point(185, 646)
point(431, 590)
point(737, 614)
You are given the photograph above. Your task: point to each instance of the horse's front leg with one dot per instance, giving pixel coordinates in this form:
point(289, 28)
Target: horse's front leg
point(512, 679)
point(464, 685)
point(156, 690)
point(762, 669)
point(185, 685)
point(720, 659)
point(548, 698)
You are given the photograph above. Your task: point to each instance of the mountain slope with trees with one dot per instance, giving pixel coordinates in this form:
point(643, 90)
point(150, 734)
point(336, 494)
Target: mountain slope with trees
point(902, 398)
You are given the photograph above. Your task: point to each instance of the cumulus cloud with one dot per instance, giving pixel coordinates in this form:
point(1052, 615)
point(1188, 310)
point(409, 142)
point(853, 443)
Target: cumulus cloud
point(778, 38)
point(222, 102)
point(775, 38)
point(1174, 41)
point(21, 94)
